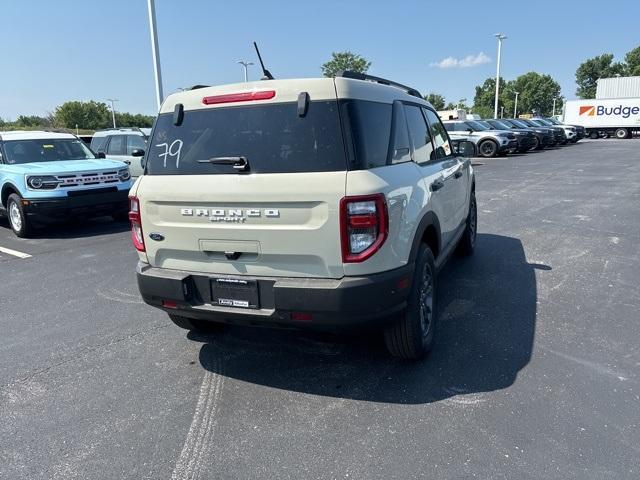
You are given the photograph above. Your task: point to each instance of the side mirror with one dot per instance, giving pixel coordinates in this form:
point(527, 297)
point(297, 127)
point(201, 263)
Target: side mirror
point(470, 130)
point(137, 152)
point(464, 148)
point(100, 155)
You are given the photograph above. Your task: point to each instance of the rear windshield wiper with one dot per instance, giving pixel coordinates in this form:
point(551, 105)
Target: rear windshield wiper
point(239, 163)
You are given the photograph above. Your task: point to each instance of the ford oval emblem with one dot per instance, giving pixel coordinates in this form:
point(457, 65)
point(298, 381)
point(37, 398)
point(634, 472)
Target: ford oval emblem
point(156, 236)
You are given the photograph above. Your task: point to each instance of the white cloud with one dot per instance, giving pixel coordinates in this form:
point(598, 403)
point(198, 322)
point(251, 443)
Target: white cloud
point(466, 62)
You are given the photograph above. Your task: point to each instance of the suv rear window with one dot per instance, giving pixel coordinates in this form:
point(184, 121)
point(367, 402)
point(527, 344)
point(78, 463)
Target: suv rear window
point(273, 138)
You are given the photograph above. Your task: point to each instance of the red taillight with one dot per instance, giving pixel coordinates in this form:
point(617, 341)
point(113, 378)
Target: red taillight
point(301, 317)
point(169, 304)
point(364, 224)
point(239, 97)
point(136, 224)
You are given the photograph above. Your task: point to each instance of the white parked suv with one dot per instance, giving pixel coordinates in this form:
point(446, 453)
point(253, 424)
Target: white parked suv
point(325, 203)
point(124, 145)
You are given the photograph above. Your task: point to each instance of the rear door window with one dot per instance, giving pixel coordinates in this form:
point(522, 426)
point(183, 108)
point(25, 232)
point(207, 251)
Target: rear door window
point(272, 138)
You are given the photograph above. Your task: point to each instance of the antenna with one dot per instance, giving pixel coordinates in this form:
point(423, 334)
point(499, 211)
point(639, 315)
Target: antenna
point(265, 72)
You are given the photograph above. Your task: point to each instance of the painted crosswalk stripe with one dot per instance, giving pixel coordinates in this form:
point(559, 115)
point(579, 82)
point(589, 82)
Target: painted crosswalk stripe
point(15, 253)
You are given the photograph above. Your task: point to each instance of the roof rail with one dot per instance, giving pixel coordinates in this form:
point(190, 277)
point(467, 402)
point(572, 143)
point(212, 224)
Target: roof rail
point(196, 87)
point(383, 81)
point(129, 129)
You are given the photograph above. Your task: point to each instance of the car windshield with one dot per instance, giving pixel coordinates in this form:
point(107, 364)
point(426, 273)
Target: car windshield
point(542, 122)
point(553, 121)
point(46, 150)
point(477, 126)
point(527, 122)
point(485, 124)
point(520, 123)
point(500, 125)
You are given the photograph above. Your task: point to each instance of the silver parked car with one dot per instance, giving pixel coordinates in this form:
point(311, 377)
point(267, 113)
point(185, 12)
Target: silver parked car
point(489, 142)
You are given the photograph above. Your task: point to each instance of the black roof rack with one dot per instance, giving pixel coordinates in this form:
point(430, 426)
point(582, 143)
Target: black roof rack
point(383, 81)
point(127, 129)
point(197, 87)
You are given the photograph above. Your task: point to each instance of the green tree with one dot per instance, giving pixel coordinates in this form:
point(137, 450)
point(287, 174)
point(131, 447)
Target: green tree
point(124, 119)
point(483, 101)
point(594, 68)
point(436, 100)
point(345, 61)
point(632, 60)
point(535, 92)
point(89, 115)
point(32, 121)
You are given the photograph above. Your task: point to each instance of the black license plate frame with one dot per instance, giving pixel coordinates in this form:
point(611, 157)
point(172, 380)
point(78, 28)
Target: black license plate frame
point(235, 293)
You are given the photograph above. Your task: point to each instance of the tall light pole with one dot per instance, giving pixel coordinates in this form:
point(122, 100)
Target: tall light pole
point(502, 111)
point(515, 107)
point(154, 50)
point(245, 64)
point(113, 110)
point(554, 107)
point(500, 38)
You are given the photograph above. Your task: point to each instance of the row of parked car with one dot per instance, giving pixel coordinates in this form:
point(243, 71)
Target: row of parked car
point(493, 137)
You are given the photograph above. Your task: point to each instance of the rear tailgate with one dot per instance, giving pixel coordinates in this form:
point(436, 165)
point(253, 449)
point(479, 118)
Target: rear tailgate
point(203, 211)
point(276, 225)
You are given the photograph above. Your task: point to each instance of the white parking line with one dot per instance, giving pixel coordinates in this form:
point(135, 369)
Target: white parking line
point(15, 253)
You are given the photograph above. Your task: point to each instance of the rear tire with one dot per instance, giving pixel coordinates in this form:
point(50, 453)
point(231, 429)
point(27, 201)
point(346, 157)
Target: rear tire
point(195, 325)
point(411, 336)
point(488, 148)
point(468, 240)
point(18, 220)
point(594, 135)
point(622, 133)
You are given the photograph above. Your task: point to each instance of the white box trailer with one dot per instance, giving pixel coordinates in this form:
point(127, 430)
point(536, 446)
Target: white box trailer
point(456, 114)
point(618, 87)
point(615, 116)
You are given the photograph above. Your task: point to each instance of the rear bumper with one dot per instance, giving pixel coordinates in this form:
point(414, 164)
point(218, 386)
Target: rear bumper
point(327, 304)
point(89, 204)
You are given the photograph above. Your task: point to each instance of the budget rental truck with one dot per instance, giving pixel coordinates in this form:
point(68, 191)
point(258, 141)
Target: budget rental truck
point(613, 116)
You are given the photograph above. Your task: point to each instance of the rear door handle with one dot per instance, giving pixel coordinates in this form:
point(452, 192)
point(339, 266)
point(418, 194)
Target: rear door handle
point(437, 185)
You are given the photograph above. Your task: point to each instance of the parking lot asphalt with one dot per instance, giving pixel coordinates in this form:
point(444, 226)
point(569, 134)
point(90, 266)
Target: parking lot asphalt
point(535, 373)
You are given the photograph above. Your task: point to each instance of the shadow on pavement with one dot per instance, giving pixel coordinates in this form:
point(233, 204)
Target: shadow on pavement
point(487, 306)
point(73, 228)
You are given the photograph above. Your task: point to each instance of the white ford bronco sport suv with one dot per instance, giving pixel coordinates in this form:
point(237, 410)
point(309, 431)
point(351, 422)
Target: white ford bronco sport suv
point(313, 203)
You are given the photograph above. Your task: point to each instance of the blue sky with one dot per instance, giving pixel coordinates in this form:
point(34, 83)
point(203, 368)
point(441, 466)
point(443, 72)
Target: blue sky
point(54, 51)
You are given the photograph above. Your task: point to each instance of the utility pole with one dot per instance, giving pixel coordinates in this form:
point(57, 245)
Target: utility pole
point(113, 110)
point(245, 64)
point(154, 50)
point(554, 108)
point(515, 107)
point(502, 111)
point(500, 38)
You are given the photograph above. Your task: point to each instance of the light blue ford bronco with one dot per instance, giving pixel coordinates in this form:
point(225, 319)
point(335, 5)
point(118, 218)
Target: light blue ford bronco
point(46, 176)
